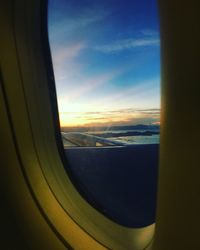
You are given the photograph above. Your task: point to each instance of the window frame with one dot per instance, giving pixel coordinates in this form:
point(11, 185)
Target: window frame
point(35, 128)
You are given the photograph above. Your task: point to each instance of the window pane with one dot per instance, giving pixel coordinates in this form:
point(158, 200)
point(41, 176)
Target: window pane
point(106, 59)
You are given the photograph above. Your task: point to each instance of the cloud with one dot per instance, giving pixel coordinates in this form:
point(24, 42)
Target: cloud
point(90, 17)
point(127, 44)
point(70, 24)
point(154, 112)
point(150, 33)
point(114, 112)
point(87, 85)
point(128, 115)
point(147, 37)
point(141, 94)
point(64, 62)
point(66, 53)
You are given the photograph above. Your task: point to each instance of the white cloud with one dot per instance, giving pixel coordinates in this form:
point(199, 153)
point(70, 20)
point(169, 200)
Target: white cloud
point(64, 63)
point(84, 21)
point(82, 86)
point(128, 44)
point(70, 24)
point(141, 95)
point(150, 32)
point(68, 53)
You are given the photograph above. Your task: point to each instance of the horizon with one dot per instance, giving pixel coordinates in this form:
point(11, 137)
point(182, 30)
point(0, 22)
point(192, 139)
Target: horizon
point(112, 126)
point(106, 60)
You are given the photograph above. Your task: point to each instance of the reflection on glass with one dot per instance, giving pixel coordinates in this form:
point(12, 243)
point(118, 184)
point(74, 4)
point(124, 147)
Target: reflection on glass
point(106, 59)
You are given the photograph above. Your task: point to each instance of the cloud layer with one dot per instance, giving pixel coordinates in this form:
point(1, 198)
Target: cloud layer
point(128, 116)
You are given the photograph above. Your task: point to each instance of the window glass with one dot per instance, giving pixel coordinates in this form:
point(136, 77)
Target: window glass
point(106, 60)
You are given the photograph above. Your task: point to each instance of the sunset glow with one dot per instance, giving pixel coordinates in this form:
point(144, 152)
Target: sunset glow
point(106, 59)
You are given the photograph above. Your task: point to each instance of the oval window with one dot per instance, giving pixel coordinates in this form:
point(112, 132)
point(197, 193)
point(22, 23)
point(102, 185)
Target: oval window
point(106, 60)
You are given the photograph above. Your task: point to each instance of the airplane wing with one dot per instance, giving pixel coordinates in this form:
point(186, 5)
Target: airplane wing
point(75, 139)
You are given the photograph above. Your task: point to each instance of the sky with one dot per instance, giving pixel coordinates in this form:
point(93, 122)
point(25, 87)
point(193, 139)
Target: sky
point(106, 60)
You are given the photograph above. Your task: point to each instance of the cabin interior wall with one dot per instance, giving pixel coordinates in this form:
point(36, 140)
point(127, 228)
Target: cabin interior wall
point(178, 220)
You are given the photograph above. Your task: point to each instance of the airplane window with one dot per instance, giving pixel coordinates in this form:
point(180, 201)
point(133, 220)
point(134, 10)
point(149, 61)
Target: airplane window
point(106, 60)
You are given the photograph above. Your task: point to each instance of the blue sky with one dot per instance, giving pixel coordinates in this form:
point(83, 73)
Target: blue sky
point(106, 58)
